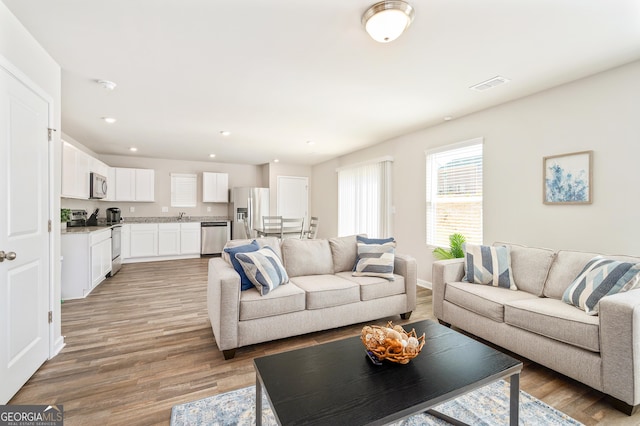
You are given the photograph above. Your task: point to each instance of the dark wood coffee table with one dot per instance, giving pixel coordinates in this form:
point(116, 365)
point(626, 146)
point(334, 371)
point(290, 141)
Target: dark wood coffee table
point(334, 383)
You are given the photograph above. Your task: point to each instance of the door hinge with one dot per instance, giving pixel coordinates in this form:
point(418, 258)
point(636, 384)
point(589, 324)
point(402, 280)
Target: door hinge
point(50, 317)
point(50, 133)
point(49, 225)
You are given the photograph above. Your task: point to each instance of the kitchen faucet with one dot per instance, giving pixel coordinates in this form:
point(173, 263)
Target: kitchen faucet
point(180, 214)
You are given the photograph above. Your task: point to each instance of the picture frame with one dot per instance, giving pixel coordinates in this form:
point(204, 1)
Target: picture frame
point(568, 178)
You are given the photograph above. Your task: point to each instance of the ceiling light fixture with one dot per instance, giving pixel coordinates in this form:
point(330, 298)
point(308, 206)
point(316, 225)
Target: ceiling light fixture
point(311, 143)
point(109, 120)
point(225, 133)
point(276, 160)
point(133, 149)
point(386, 21)
point(212, 156)
point(106, 84)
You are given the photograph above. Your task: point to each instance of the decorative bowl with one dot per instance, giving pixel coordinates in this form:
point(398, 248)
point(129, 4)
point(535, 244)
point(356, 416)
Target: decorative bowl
point(391, 343)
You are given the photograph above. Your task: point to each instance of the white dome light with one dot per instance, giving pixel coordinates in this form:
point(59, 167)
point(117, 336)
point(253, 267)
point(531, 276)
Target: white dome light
point(386, 21)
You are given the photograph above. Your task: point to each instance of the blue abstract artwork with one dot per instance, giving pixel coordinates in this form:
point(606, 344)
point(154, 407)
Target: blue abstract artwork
point(567, 178)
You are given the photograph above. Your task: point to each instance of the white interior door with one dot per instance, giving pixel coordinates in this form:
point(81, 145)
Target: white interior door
point(24, 191)
point(293, 197)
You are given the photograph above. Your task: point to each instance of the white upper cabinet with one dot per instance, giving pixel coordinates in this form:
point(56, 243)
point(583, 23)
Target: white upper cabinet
point(75, 172)
point(215, 187)
point(134, 184)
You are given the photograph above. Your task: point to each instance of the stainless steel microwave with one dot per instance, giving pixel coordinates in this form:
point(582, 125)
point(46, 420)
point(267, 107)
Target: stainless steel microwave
point(97, 186)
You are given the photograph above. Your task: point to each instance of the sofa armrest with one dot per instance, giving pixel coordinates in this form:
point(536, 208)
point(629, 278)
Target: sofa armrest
point(620, 345)
point(443, 272)
point(407, 266)
point(223, 303)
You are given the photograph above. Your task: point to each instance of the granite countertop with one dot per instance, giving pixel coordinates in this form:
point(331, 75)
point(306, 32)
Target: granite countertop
point(84, 229)
point(174, 219)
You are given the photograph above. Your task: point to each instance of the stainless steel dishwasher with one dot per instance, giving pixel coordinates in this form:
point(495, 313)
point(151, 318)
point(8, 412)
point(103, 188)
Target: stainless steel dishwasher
point(213, 237)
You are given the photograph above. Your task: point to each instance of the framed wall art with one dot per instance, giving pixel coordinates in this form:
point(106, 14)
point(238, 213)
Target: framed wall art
point(567, 178)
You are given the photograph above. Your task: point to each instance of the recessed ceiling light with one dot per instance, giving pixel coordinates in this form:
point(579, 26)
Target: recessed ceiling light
point(311, 143)
point(133, 149)
point(212, 156)
point(225, 133)
point(276, 160)
point(109, 120)
point(106, 84)
point(448, 118)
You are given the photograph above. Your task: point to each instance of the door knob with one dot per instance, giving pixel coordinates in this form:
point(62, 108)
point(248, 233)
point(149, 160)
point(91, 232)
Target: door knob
point(9, 256)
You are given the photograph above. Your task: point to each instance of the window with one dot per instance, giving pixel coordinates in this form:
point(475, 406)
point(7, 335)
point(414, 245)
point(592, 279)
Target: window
point(364, 199)
point(183, 189)
point(454, 193)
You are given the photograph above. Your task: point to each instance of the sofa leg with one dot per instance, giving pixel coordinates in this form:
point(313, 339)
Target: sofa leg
point(446, 324)
point(627, 409)
point(229, 353)
point(406, 315)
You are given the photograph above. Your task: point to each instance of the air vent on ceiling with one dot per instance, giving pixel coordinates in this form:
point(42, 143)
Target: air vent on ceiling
point(491, 83)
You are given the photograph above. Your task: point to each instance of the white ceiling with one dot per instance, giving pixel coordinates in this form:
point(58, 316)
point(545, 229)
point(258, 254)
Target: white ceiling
point(279, 73)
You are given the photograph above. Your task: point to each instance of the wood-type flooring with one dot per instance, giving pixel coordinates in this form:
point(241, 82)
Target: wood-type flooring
point(141, 342)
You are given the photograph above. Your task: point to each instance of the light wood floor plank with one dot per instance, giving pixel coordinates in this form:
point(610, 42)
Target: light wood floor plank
point(141, 343)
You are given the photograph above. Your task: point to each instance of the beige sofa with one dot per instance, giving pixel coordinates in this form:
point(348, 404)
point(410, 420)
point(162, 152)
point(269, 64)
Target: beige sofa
point(321, 293)
point(602, 351)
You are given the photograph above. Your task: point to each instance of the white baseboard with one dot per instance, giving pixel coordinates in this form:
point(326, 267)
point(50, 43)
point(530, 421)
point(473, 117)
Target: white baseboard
point(425, 284)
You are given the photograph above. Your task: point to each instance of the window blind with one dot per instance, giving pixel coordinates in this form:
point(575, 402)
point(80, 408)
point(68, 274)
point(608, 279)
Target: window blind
point(454, 193)
point(183, 189)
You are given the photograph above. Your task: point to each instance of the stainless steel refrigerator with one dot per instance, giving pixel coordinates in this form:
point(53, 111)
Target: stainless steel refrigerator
point(247, 204)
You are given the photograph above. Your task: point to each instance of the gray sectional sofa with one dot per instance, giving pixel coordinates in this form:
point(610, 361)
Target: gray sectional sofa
point(321, 293)
point(602, 351)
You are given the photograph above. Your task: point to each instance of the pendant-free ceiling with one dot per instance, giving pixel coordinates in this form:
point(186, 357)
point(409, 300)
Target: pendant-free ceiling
point(385, 21)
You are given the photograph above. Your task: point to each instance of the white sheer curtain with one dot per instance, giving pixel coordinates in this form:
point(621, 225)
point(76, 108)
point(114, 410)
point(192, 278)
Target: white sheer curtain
point(364, 199)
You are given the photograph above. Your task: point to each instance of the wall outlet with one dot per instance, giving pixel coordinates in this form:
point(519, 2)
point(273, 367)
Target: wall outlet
point(165, 210)
point(209, 209)
point(132, 209)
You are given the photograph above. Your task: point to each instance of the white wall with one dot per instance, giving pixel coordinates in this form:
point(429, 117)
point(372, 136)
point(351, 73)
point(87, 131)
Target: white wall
point(598, 113)
point(22, 51)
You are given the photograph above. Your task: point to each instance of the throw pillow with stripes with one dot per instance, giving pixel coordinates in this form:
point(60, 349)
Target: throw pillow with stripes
point(599, 278)
point(264, 269)
point(375, 260)
point(488, 265)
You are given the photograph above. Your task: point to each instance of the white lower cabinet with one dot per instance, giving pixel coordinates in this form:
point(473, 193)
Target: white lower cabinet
point(86, 261)
point(159, 241)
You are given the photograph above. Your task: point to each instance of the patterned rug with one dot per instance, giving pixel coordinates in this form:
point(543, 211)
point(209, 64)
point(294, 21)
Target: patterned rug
point(487, 406)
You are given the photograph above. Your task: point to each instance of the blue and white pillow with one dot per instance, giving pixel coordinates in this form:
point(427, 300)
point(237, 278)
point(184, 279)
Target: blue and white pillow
point(366, 240)
point(264, 269)
point(599, 278)
point(375, 260)
point(245, 283)
point(488, 265)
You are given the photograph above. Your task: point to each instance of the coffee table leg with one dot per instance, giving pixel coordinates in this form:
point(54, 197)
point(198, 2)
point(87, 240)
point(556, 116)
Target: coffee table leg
point(514, 400)
point(258, 402)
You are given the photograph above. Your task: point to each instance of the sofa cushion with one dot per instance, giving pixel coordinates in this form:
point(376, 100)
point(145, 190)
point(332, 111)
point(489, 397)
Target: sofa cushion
point(283, 300)
point(601, 277)
point(375, 260)
point(272, 242)
point(487, 301)
point(230, 252)
point(488, 265)
point(307, 257)
point(566, 266)
point(554, 319)
point(376, 287)
point(344, 252)
point(530, 266)
point(264, 269)
point(325, 291)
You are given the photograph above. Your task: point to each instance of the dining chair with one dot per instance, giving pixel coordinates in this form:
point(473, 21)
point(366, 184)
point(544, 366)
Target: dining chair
point(271, 226)
point(293, 227)
point(312, 232)
point(247, 229)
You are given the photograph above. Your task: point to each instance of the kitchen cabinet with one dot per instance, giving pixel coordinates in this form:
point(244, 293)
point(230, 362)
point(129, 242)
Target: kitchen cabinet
point(75, 172)
point(215, 187)
point(143, 240)
point(168, 239)
point(125, 248)
point(190, 238)
point(134, 184)
point(86, 261)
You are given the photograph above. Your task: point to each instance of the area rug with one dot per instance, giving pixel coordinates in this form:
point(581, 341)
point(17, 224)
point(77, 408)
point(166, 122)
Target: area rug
point(487, 406)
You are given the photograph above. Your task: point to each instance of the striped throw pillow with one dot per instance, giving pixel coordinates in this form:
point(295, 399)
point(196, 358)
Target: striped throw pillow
point(599, 278)
point(264, 269)
point(375, 260)
point(488, 265)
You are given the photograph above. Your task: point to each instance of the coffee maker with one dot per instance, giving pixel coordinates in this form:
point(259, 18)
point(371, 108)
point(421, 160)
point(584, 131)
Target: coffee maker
point(113, 215)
